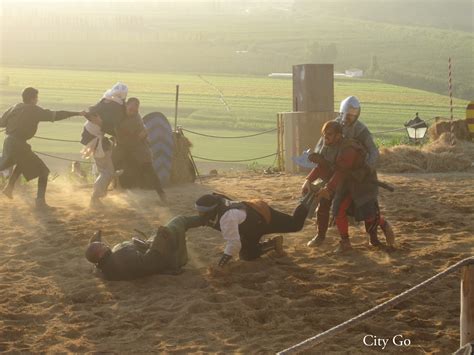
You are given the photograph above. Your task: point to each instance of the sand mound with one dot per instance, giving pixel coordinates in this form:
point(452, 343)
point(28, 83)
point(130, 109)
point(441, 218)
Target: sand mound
point(437, 156)
point(50, 301)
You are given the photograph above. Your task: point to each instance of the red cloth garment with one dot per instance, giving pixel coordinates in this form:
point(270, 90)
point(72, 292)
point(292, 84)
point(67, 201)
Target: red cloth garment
point(348, 158)
point(342, 222)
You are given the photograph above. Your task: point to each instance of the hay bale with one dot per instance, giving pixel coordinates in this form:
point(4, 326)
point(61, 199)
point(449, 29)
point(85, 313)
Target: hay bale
point(402, 159)
point(446, 162)
point(438, 156)
point(182, 168)
point(444, 126)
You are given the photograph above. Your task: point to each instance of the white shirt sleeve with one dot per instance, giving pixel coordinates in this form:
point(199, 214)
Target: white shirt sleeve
point(229, 224)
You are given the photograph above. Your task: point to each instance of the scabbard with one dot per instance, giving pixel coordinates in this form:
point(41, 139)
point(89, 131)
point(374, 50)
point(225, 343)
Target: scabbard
point(385, 186)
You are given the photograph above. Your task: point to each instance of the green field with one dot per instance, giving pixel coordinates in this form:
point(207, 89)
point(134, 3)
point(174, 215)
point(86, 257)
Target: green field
point(251, 105)
point(410, 39)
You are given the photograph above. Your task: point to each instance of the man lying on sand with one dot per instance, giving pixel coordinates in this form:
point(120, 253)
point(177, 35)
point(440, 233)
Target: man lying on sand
point(165, 252)
point(244, 223)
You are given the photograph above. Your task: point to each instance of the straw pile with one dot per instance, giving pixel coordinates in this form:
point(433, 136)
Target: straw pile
point(182, 169)
point(444, 126)
point(437, 156)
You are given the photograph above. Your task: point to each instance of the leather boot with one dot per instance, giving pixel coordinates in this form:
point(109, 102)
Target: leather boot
point(316, 241)
point(275, 244)
point(373, 239)
point(8, 192)
point(344, 245)
point(41, 205)
point(389, 234)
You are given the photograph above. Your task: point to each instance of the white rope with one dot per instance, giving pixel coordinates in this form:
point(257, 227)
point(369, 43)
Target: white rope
point(310, 342)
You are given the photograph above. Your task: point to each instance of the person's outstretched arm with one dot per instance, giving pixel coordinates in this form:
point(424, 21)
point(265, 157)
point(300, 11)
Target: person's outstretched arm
point(186, 222)
point(45, 115)
point(193, 221)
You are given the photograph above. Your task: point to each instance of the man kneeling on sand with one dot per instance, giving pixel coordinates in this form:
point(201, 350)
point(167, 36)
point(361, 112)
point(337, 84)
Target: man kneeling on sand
point(244, 223)
point(163, 253)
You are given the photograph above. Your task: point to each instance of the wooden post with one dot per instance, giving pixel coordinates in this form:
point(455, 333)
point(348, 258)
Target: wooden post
point(282, 135)
point(278, 142)
point(467, 305)
point(176, 109)
point(300, 131)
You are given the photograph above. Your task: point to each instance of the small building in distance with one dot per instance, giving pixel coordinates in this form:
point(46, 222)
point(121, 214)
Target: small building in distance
point(350, 73)
point(354, 73)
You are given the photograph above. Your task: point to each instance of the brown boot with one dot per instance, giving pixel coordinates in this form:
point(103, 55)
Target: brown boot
point(8, 192)
point(316, 241)
point(279, 245)
point(275, 244)
point(389, 234)
point(41, 205)
point(374, 239)
point(344, 246)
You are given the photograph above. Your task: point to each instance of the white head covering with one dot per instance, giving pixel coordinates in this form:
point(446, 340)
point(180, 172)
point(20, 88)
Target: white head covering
point(117, 93)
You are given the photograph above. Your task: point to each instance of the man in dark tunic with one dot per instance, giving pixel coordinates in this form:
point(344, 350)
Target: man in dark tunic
point(244, 223)
point(132, 152)
point(353, 188)
point(21, 123)
point(165, 252)
point(354, 129)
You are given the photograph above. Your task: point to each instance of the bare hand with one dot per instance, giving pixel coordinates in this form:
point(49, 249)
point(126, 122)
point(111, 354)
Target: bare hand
point(325, 193)
point(217, 271)
point(315, 158)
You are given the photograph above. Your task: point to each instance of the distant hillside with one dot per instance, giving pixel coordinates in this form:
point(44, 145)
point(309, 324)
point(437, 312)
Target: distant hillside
point(402, 42)
point(444, 14)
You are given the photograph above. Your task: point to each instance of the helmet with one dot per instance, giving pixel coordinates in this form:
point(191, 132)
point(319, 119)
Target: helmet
point(350, 105)
point(95, 251)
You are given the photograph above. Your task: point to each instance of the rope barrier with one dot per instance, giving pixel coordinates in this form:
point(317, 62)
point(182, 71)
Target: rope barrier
point(234, 161)
point(56, 139)
point(61, 158)
point(221, 94)
point(397, 129)
point(310, 342)
point(388, 131)
point(227, 137)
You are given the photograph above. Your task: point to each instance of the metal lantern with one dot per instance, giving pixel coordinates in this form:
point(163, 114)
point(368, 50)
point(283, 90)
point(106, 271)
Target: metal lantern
point(416, 128)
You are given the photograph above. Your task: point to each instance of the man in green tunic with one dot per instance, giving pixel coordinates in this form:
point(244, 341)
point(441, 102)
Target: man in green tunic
point(163, 253)
point(21, 123)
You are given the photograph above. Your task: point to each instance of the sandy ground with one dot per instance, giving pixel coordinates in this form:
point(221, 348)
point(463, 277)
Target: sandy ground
point(50, 299)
